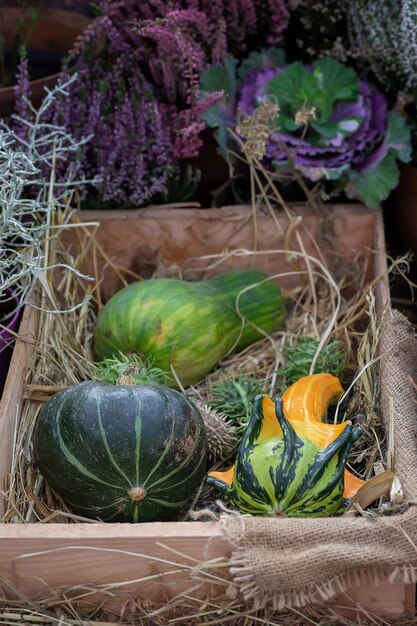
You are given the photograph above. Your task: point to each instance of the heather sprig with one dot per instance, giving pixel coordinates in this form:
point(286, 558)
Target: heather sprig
point(129, 147)
point(22, 95)
point(127, 152)
point(241, 25)
point(178, 37)
point(185, 43)
point(384, 35)
point(135, 140)
point(171, 42)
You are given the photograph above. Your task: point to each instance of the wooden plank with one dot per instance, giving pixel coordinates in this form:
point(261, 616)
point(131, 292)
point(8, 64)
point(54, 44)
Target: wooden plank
point(149, 241)
point(12, 397)
point(164, 559)
point(389, 599)
point(169, 555)
point(382, 290)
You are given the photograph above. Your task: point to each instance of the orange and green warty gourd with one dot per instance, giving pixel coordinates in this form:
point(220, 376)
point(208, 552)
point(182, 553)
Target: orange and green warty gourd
point(289, 460)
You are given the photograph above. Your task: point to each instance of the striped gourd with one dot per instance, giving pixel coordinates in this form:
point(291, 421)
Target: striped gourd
point(124, 453)
point(293, 467)
point(188, 327)
point(308, 399)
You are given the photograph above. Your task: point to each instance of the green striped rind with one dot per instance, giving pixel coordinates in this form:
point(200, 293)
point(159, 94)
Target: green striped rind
point(94, 442)
point(258, 299)
point(289, 473)
point(189, 326)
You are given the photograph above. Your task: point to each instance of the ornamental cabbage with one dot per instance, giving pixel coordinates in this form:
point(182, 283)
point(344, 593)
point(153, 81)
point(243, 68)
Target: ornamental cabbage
point(330, 125)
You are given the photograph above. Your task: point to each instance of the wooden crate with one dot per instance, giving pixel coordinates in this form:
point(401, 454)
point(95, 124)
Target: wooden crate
point(37, 557)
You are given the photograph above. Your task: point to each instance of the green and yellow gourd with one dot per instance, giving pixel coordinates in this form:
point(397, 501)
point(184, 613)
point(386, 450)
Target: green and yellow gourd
point(122, 453)
point(188, 327)
point(308, 399)
point(291, 465)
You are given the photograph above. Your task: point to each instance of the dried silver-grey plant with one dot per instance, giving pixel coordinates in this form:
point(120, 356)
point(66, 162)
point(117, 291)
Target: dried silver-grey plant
point(29, 193)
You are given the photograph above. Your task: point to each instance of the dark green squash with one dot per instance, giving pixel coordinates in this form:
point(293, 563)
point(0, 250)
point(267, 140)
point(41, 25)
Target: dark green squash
point(189, 327)
point(128, 453)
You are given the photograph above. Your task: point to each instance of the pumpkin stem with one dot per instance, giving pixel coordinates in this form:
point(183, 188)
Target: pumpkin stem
point(137, 493)
point(126, 376)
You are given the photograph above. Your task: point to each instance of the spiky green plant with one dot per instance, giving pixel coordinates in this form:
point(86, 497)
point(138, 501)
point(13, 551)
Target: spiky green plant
point(111, 368)
point(299, 357)
point(234, 397)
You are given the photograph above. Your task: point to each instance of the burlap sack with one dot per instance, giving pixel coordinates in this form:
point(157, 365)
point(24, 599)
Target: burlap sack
point(294, 562)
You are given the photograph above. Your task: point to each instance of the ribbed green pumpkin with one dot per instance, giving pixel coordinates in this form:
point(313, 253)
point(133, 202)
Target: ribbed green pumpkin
point(129, 453)
point(190, 326)
point(286, 473)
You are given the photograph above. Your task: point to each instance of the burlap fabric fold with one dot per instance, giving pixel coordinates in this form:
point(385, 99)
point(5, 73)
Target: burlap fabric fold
point(294, 562)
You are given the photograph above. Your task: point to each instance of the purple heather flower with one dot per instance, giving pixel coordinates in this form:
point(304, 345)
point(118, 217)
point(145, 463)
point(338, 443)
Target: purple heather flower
point(239, 25)
point(129, 150)
point(172, 41)
point(22, 97)
point(187, 125)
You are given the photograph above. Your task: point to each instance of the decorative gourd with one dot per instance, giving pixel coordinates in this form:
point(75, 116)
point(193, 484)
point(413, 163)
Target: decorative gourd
point(310, 396)
point(188, 327)
point(294, 468)
point(124, 453)
point(308, 399)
